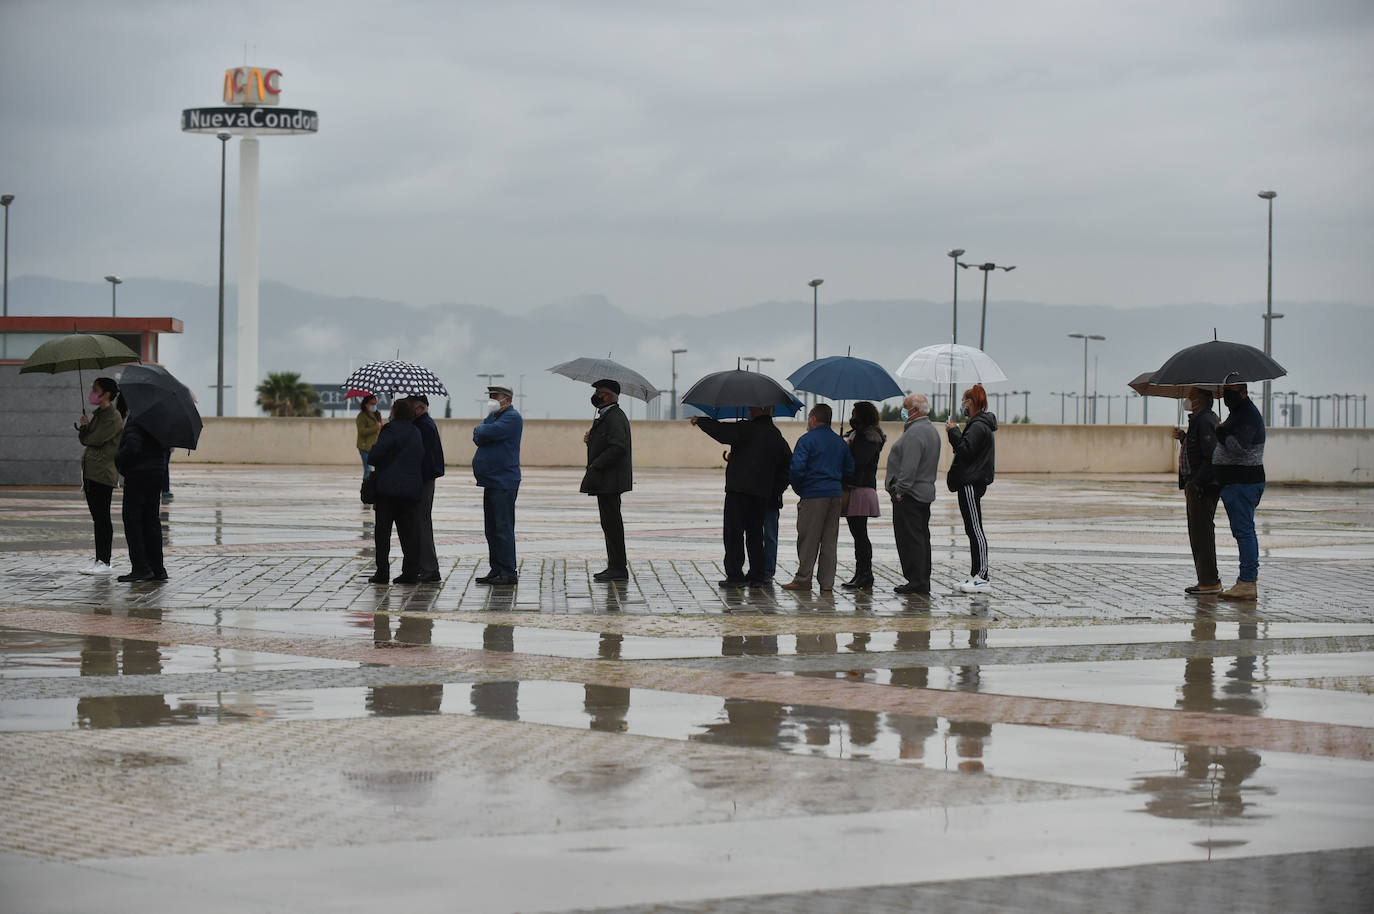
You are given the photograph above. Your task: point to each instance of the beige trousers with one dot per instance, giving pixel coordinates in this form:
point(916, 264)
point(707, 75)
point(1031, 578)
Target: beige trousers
point(818, 531)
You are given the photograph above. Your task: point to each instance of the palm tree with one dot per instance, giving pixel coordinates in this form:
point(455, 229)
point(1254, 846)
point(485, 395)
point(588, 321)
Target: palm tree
point(284, 394)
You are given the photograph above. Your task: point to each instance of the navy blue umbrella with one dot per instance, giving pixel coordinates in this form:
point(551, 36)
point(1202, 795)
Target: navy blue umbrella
point(844, 377)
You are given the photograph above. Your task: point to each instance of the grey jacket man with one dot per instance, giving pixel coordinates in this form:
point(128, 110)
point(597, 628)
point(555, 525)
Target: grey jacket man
point(913, 463)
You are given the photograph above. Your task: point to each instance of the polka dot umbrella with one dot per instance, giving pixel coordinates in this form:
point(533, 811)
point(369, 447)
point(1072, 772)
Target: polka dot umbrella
point(395, 377)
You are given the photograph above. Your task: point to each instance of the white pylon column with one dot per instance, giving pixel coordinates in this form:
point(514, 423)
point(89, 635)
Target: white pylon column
point(246, 379)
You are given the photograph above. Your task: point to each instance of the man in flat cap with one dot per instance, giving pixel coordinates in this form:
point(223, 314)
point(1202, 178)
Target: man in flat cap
point(609, 473)
point(496, 466)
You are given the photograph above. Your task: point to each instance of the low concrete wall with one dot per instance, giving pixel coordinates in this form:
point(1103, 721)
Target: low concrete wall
point(1292, 455)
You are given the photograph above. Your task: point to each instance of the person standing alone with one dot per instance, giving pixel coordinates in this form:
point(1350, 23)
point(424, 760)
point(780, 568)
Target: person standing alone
point(975, 459)
point(496, 466)
point(610, 473)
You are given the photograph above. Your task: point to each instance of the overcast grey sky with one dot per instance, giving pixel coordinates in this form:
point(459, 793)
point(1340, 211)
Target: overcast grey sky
point(681, 157)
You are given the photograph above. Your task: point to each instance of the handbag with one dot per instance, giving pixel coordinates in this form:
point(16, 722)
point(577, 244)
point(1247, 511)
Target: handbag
point(368, 491)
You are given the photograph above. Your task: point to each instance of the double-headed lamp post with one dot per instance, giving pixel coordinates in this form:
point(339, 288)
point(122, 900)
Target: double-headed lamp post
point(1025, 403)
point(673, 354)
point(1084, 399)
point(954, 254)
point(114, 282)
point(1269, 315)
point(5, 201)
point(986, 268)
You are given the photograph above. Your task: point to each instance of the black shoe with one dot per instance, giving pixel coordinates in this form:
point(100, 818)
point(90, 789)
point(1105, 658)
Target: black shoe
point(612, 574)
point(732, 582)
point(404, 579)
point(486, 578)
point(160, 575)
point(849, 585)
point(380, 577)
point(911, 589)
point(432, 578)
point(504, 580)
point(860, 582)
point(135, 577)
point(759, 582)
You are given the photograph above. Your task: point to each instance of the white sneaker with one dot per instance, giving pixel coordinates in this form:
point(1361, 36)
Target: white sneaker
point(976, 584)
point(97, 567)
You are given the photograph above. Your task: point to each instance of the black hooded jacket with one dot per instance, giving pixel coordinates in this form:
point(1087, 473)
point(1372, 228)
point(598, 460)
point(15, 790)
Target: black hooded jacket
point(975, 452)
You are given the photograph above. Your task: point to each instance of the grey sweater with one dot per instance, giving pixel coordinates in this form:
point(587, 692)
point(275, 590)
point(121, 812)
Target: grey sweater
point(914, 462)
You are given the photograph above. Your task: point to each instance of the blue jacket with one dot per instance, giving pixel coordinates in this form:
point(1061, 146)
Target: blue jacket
point(399, 457)
point(496, 465)
point(819, 462)
point(434, 448)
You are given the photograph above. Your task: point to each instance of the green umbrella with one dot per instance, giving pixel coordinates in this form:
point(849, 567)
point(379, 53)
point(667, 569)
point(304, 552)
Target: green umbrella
point(76, 352)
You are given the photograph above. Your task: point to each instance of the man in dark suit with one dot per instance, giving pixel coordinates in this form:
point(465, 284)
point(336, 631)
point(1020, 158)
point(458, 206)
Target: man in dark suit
point(755, 476)
point(423, 568)
point(609, 473)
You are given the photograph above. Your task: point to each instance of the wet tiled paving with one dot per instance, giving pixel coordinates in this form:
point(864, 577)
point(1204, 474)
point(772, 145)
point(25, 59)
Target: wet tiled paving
point(268, 732)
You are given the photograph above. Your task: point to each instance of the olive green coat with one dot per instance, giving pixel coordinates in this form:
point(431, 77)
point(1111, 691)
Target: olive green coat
point(101, 437)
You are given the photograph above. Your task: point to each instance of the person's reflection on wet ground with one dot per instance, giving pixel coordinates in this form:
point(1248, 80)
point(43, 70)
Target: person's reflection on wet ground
point(748, 645)
point(912, 730)
point(820, 722)
point(386, 701)
point(608, 706)
point(100, 656)
point(1210, 780)
point(497, 700)
point(969, 735)
point(747, 722)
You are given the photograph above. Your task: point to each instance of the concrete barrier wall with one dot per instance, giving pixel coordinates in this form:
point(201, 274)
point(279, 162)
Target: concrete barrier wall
point(1292, 455)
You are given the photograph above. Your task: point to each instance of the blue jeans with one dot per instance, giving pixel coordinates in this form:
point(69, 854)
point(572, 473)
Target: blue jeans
point(498, 514)
point(1240, 500)
point(367, 470)
point(770, 542)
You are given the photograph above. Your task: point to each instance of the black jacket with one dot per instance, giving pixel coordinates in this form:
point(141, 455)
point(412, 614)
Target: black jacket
point(140, 454)
point(434, 448)
point(975, 452)
point(399, 458)
point(609, 460)
point(1199, 442)
point(759, 457)
point(865, 444)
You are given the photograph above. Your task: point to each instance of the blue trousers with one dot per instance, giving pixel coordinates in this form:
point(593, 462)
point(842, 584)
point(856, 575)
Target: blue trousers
point(1240, 500)
point(770, 542)
point(367, 470)
point(498, 515)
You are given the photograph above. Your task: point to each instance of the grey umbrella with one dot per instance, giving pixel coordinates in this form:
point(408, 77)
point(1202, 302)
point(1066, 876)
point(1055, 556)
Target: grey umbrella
point(588, 371)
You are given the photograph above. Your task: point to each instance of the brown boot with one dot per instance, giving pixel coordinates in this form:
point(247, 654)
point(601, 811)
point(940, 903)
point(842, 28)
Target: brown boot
point(1244, 590)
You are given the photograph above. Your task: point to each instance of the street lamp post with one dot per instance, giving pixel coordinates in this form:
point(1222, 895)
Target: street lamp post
point(114, 281)
point(1061, 395)
point(6, 200)
point(1025, 403)
point(954, 254)
point(219, 369)
point(1084, 399)
point(673, 356)
point(1269, 315)
point(986, 268)
point(815, 285)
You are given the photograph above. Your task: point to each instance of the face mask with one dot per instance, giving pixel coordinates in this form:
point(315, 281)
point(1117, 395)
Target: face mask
point(1230, 399)
point(372, 408)
point(596, 400)
point(963, 411)
point(905, 414)
point(493, 405)
point(93, 398)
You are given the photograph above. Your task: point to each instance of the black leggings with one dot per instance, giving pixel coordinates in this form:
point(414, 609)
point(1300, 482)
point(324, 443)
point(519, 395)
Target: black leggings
point(98, 497)
point(863, 546)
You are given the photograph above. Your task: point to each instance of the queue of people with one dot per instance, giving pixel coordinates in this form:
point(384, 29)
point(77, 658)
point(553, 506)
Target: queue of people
point(833, 476)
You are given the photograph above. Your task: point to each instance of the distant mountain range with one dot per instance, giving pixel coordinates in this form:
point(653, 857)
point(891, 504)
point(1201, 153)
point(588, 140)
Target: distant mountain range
point(1324, 345)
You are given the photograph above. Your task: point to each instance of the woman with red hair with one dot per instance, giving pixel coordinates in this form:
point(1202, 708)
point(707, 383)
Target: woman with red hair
point(975, 454)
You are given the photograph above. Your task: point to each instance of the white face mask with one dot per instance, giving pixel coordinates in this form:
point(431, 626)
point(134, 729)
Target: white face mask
point(493, 405)
point(905, 414)
point(372, 408)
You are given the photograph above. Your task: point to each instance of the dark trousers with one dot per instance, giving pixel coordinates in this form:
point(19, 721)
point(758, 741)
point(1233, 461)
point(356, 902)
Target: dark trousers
point(743, 535)
point(390, 510)
point(971, 507)
point(1201, 503)
point(613, 528)
point(498, 516)
point(98, 496)
point(417, 543)
point(863, 547)
point(911, 527)
point(142, 527)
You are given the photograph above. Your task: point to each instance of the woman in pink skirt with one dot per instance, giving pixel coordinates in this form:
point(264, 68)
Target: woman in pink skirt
point(860, 501)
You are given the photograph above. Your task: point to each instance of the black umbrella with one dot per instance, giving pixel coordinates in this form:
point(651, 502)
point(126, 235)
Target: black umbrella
point(1217, 362)
point(738, 388)
point(162, 405)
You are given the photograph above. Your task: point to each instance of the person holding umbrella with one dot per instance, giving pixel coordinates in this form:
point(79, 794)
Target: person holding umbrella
point(1198, 481)
point(1238, 462)
point(610, 473)
point(975, 458)
point(100, 436)
point(140, 459)
point(755, 477)
point(860, 499)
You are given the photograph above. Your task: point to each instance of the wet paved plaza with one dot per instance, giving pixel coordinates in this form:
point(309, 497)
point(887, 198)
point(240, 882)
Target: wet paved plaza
point(268, 732)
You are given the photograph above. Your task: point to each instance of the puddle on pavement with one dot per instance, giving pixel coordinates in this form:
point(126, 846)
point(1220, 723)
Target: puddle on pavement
point(1214, 786)
point(590, 645)
point(26, 654)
